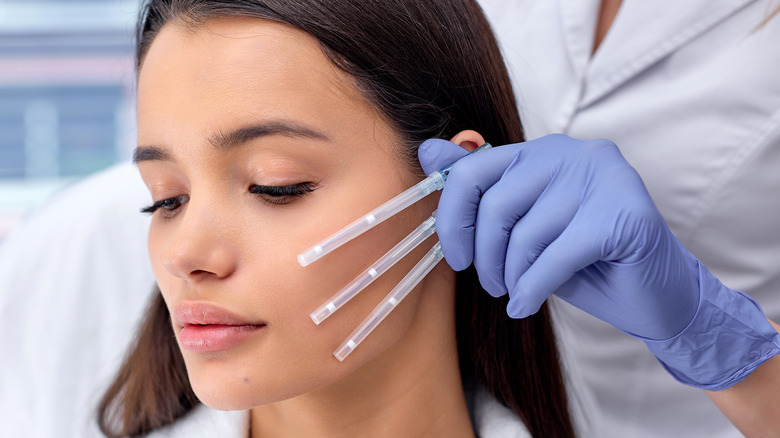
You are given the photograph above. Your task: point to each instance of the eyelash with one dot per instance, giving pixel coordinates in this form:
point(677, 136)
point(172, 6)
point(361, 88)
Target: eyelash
point(168, 204)
point(277, 195)
point(280, 195)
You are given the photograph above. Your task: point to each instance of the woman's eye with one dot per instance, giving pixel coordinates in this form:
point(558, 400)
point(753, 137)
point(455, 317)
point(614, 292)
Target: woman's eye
point(282, 194)
point(169, 206)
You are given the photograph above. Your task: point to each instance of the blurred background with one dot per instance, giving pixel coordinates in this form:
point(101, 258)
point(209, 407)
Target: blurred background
point(67, 90)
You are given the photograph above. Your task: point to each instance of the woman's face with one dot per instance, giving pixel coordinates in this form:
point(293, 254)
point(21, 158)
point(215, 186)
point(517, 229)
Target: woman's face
point(259, 148)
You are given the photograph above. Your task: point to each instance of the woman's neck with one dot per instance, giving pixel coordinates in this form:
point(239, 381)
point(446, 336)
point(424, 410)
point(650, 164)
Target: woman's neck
point(412, 389)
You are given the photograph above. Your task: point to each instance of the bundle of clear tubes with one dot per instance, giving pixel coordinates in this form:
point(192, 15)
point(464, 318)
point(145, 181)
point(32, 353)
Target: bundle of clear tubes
point(435, 181)
point(399, 251)
point(399, 292)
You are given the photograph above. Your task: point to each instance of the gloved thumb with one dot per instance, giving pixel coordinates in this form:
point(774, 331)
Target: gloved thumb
point(436, 153)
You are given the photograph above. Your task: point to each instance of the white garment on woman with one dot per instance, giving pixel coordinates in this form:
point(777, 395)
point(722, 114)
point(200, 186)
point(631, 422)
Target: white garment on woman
point(491, 420)
point(690, 93)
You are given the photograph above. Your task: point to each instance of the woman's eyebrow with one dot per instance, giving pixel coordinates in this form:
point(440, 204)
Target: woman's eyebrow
point(237, 137)
point(246, 134)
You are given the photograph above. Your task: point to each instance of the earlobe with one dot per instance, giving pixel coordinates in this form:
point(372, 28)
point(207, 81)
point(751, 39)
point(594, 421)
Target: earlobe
point(468, 140)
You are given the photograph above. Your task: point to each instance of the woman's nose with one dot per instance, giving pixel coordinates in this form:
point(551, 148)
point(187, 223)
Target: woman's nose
point(201, 246)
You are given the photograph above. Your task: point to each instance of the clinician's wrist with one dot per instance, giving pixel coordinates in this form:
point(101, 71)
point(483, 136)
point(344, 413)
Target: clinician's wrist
point(727, 339)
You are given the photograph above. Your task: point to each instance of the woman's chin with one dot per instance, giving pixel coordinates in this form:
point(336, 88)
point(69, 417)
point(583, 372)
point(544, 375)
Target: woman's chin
point(232, 395)
point(227, 394)
point(222, 400)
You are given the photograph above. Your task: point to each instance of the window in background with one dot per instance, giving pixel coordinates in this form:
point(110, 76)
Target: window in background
point(66, 95)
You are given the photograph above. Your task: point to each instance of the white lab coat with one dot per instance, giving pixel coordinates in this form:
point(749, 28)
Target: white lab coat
point(74, 281)
point(690, 92)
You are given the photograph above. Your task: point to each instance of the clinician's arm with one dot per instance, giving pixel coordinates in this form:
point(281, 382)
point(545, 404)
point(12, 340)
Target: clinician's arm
point(752, 404)
point(571, 217)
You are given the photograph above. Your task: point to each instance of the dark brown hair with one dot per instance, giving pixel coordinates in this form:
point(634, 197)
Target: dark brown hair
point(432, 68)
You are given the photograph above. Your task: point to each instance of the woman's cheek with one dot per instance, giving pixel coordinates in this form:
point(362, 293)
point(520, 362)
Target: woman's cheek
point(154, 243)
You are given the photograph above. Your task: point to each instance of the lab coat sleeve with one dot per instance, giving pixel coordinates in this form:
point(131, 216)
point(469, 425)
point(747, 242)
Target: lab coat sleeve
point(74, 280)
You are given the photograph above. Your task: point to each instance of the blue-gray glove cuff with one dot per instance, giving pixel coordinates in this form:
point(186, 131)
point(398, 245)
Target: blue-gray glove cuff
point(726, 340)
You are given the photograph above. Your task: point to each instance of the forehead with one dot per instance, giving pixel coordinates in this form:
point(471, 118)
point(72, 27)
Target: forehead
point(232, 68)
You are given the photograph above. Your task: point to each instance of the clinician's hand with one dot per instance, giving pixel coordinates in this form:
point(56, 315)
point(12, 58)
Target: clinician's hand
point(564, 216)
point(572, 218)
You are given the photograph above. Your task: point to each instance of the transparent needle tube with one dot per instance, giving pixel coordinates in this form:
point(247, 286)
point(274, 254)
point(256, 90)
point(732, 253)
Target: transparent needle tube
point(399, 292)
point(433, 182)
point(399, 251)
point(375, 217)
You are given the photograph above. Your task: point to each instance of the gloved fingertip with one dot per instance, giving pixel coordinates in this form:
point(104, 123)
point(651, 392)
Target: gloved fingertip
point(492, 287)
point(456, 264)
point(436, 153)
point(426, 146)
point(457, 257)
point(521, 305)
point(515, 310)
point(430, 149)
point(496, 293)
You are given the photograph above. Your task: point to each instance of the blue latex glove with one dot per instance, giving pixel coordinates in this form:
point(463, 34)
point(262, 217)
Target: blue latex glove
point(573, 218)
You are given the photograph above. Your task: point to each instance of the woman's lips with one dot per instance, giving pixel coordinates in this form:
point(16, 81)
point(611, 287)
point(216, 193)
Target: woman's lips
point(213, 337)
point(209, 328)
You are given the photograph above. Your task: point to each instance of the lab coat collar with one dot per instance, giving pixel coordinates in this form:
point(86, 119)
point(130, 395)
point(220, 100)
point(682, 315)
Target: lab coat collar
point(635, 41)
point(578, 22)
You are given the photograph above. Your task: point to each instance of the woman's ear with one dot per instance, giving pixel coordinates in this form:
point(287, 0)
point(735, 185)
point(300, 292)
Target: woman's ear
point(468, 140)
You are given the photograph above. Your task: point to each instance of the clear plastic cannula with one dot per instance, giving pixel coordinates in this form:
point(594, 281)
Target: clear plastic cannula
point(399, 251)
point(433, 182)
point(399, 292)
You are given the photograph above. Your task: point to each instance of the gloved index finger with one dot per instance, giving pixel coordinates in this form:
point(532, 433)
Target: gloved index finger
point(435, 154)
point(468, 179)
